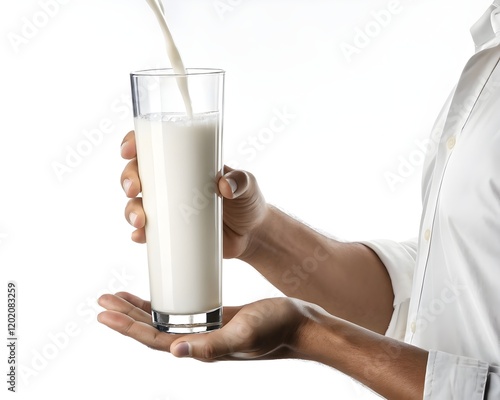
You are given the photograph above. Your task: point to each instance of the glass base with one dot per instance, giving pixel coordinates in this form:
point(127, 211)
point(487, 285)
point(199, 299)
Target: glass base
point(194, 323)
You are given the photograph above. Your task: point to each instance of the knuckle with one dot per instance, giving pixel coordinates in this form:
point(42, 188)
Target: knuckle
point(127, 329)
point(250, 177)
point(155, 343)
point(208, 351)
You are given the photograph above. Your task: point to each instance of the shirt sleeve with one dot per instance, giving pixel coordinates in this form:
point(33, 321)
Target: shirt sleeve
point(400, 259)
point(461, 378)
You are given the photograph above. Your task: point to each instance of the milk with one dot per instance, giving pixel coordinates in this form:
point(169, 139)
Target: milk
point(173, 54)
point(184, 236)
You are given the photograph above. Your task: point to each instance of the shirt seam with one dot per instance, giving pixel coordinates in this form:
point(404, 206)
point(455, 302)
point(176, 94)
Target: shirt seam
point(479, 95)
point(433, 367)
point(481, 380)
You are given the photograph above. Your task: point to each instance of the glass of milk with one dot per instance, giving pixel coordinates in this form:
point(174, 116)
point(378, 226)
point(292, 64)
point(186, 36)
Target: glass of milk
point(179, 154)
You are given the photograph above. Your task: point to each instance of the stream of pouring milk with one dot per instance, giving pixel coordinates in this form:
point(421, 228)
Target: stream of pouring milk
point(173, 54)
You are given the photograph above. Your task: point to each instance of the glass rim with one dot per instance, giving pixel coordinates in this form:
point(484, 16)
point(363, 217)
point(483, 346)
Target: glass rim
point(170, 72)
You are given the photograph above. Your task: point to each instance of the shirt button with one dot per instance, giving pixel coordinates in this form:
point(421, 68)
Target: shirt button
point(413, 326)
point(451, 142)
point(427, 234)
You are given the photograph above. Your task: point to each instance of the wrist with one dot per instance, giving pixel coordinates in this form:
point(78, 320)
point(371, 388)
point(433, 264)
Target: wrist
point(302, 327)
point(315, 332)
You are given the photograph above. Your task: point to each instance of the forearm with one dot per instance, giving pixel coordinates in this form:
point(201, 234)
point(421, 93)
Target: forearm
point(346, 279)
point(393, 369)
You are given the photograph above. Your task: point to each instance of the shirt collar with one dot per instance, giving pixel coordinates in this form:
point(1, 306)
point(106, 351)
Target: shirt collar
point(487, 27)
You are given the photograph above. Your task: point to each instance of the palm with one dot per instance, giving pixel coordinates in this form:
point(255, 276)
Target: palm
point(258, 330)
point(261, 330)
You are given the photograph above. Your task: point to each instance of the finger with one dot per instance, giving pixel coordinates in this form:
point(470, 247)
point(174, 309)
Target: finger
point(233, 339)
point(128, 149)
point(119, 304)
point(139, 236)
point(130, 180)
point(183, 347)
point(235, 183)
point(140, 331)
point(134, 213)
point(136, 301)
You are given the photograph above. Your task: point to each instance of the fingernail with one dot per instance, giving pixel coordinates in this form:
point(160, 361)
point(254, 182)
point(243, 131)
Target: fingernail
point(232, 184)
point(183, 349)
point(132, 217)
point(126, 185)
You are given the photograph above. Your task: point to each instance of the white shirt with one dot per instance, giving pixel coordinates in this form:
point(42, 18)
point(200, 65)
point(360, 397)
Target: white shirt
point(447, 282)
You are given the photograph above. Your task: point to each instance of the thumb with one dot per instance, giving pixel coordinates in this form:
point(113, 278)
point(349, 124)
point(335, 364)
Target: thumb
point(207, 347)
point(233, 184)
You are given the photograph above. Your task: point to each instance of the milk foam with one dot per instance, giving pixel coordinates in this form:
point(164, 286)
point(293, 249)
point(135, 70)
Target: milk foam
point(181, 119)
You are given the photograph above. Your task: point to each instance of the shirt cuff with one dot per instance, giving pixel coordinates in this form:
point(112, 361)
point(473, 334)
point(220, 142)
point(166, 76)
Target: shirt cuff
point(399, 259)
point(454, 377)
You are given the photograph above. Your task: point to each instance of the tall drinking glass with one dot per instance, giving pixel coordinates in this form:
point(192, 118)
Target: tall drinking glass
point(180, 159)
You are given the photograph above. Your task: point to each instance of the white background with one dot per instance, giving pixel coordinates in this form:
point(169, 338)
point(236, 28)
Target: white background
point(64, 240)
